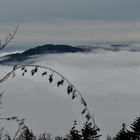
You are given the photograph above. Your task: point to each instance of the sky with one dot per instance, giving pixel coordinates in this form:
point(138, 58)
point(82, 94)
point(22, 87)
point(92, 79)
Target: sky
point(109, 81)
point(70, 21)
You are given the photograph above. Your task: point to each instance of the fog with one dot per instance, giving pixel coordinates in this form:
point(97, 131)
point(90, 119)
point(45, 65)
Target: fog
point(109, 82)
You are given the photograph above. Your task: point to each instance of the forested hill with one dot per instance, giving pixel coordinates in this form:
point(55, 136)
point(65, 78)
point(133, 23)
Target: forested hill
point(32, 53)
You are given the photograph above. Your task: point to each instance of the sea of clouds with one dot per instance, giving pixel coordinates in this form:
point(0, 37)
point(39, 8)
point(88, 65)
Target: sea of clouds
point(109, 82)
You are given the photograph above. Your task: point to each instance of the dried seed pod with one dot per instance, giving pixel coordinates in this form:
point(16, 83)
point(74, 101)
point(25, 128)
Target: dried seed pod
point(22, 68)
point(84, 111)
point(51, 78)
point(36, 69)
point(74, 95)
point(25, 70)
point(83, 102)
point(69, 89)
point(88, 116)
point(44, 73)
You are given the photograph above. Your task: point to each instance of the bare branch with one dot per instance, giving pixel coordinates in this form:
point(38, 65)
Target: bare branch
point(72, 89)
point(8, 38)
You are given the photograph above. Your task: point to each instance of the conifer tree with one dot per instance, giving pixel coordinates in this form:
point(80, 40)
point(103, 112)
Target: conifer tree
point(89, 132)
point(108, 137)
point(123, 134)
point(135, 126)
point(74, 133)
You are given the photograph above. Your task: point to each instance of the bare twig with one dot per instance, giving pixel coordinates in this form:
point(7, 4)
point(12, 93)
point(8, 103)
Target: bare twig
point(71, 88)
point(4, 135)
point(20, 127)
point(8, 38)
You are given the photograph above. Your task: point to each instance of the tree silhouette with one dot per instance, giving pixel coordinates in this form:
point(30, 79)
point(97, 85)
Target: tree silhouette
point(135, 126)
point(90, 132)
point(123, 134)
point(109, 138)
point(74, 133)
point(26, 134)
point(133, 134)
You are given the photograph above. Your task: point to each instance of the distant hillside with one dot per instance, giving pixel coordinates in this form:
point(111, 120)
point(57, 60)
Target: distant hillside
point(32, 53)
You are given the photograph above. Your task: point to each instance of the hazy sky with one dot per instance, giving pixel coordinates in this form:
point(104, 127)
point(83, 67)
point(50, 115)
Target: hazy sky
point(70, 21)
point(113, 83)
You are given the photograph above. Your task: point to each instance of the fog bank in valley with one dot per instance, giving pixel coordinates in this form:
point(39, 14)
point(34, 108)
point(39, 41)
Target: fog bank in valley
point(109, 82)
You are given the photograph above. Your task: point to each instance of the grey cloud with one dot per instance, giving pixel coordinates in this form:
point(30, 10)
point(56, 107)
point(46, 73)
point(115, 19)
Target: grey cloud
point(71, 21)
point(44, 10)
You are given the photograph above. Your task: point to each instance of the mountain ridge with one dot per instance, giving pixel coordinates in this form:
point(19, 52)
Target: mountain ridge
point(40, 50)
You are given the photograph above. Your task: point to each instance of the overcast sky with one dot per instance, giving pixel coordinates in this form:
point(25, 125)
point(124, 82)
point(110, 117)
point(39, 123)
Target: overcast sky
point(70, 21)
point(115, 76)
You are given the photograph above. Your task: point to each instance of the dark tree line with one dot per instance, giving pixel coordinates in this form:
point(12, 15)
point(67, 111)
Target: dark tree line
point(132, 134)
point(86, 133)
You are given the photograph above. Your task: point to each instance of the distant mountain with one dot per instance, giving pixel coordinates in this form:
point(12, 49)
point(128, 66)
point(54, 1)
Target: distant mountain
point(32, 53)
